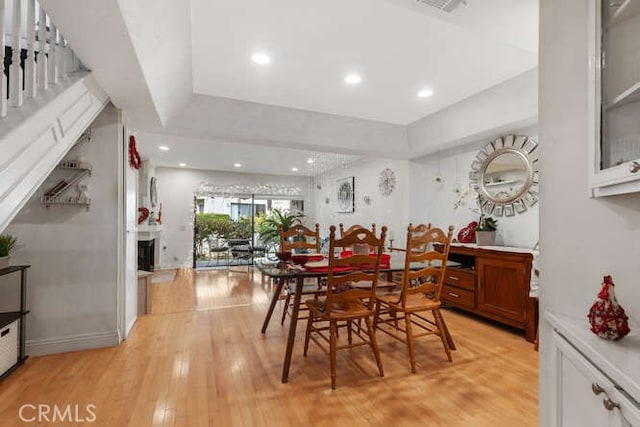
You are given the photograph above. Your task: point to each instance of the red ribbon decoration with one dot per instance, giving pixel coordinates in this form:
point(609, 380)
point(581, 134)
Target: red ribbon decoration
point(134, 156)
point(144, 214)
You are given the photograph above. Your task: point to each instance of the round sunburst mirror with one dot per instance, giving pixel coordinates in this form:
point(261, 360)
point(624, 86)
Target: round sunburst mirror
point(505, 175)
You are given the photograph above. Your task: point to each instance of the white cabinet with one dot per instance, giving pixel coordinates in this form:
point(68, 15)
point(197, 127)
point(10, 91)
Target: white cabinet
point(614, 96)
point(586, 394)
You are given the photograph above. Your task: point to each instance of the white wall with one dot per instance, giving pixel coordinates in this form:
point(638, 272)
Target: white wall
point(581, 239)
point(391, 210)
point(434, 202)
point(72, 282)
point(176, 189)
point(504, 108)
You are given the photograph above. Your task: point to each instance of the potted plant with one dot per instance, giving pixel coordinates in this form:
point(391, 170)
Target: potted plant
point(486, 231)
point(7, 244)
point(270, 227)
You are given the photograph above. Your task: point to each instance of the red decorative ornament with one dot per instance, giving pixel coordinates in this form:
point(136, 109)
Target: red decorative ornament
point(144, 214)
point(467, 234)
point(606, 316)
point(134, 156)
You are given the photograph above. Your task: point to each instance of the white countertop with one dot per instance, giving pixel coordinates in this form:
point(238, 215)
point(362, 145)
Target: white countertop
point(495, 248)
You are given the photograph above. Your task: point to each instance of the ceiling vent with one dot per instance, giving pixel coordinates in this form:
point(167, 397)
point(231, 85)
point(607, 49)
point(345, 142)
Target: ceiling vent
point(445, 5)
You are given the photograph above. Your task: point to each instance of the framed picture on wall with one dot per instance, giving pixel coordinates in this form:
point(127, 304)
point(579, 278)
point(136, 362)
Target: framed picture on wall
point(346, 194)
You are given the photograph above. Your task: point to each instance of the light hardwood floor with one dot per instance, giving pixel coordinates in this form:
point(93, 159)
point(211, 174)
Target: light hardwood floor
point(200, 360)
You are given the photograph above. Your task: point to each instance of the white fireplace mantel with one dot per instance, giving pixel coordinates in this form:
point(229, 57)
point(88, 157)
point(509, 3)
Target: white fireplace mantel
point(149, 232)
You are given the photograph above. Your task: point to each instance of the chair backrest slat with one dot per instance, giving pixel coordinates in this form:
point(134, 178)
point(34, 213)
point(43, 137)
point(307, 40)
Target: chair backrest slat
point(365, 269)
point(421, 241)
point(300, 237)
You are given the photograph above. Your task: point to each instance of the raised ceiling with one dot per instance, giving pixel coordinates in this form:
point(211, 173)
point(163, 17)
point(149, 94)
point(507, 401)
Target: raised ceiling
point(181, 72)
point(397, 46)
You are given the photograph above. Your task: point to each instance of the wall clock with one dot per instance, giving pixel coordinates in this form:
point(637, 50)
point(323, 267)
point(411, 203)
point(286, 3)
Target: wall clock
point(387, 181)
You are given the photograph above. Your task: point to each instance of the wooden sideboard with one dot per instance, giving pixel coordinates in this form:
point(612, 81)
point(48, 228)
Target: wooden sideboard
point(492, 282)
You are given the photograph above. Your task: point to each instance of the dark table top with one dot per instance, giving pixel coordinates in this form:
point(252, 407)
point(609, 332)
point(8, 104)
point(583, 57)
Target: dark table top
point(271, 268)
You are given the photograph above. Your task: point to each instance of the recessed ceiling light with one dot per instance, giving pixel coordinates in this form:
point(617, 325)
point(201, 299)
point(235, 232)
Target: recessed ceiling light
point(163, 148)
point(352, 79)
point(294, 169)
point(310, 160)
point(425, 93)
point(261, 58)
point(237, 165)
point(182, 165)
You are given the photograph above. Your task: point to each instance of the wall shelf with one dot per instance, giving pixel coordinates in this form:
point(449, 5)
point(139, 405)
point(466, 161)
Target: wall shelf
point(56, 196)
point(626, 10)
point(627, 97)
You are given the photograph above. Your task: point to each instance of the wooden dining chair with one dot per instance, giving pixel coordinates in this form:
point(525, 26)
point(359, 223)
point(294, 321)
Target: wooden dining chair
point(299, 238)
point(345, 303)
point(343, 232)
point(420, 292)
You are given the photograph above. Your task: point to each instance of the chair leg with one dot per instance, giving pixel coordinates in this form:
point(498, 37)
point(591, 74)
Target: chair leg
point(376, 316)
point(333, 326)
point(308, 333)
point(349, 337)
point(374, 344)
point(437, 316)
point(286, 307)
point(407, 321)
point(452, 345)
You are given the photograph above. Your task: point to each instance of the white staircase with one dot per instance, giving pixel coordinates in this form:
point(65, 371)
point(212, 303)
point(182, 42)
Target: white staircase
point(38, 126)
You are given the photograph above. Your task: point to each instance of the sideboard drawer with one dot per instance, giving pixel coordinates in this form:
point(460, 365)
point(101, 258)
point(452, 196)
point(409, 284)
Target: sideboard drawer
point(458, 296)
point(460, 278)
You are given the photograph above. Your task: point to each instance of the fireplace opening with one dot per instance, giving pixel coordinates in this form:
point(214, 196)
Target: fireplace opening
point(146, 251)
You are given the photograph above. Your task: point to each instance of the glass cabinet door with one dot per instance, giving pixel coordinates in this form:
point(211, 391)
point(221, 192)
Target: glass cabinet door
point(615, 47)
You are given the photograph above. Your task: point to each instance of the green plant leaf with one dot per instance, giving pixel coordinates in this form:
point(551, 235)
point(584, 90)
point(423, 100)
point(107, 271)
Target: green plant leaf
point(7, 244)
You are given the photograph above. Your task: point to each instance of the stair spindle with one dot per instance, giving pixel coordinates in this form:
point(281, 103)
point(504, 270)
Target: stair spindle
point(53, 54)
point(15, 71)
point(30, 61)
point(3, 78)
point(62, 57)
point(43, 76)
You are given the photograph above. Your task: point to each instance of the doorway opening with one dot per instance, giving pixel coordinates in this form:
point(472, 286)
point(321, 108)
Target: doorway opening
point(226, 228)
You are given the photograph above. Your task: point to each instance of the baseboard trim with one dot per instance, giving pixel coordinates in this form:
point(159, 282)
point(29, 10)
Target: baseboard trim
point(71, 343)
point(130, 325)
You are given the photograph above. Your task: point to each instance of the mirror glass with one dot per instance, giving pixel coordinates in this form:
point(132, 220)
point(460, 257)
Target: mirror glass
point(505, 175)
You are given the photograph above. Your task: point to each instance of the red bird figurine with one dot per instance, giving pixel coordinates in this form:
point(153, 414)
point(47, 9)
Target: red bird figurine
point(606, 316)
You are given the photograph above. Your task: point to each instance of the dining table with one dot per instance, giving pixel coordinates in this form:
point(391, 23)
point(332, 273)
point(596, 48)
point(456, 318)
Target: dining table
point(282, 272)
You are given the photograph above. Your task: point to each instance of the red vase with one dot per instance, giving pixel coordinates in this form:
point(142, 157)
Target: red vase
point(606, 316)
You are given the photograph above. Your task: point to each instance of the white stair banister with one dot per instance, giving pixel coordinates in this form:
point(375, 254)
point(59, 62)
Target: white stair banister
point(75, 61)
point(30, 61)
point(15, 71)
point(53, 54)
point(62, 57)
point(3, 78)
point(43, 76)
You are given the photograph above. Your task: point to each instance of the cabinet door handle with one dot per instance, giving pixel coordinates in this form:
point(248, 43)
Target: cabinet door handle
point(634, 167)
point(609, 404)
point(453, 278)
point(454, 295)
point(595, 387)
